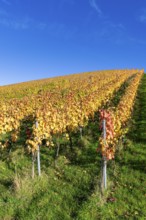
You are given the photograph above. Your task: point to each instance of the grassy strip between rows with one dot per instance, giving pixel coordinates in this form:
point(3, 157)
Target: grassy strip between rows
point(71, 190)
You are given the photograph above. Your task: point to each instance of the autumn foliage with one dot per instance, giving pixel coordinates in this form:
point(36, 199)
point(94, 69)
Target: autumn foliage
point(63, 104)
point(116, 120)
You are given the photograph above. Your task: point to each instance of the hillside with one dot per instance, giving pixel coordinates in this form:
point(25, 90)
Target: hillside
point(61, 116)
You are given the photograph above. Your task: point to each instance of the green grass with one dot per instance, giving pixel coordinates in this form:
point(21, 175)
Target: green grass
point(57, 194)
point(71, 189)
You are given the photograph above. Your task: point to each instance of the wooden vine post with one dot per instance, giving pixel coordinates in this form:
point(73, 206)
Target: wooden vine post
point(38, 154)
point(104, 159)
point(38, 161)
point(33, 161)
point(107, 146)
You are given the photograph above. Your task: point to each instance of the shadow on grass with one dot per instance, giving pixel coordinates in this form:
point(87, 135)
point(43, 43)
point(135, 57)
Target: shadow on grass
point(138, 128)
point(7, 183)
point(134, 154)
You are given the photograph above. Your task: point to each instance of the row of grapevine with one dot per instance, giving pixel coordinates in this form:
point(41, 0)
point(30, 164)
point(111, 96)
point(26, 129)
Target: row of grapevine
point(117, 119)
point(62, 83)
point(63, 110)
point(114, 124)
point(60, 111)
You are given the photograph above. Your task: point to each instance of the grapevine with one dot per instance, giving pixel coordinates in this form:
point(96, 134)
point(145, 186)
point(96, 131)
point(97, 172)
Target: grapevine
point(116, 121)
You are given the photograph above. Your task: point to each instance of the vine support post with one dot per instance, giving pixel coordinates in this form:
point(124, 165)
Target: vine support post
point(33, 160)
point(38, 154)
point(104, 159)
point(57, 152)
point(81, 131)
point(38, 161)
point(58, 149)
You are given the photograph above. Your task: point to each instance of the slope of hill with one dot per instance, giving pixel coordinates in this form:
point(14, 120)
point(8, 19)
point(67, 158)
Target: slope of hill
point(69, 185)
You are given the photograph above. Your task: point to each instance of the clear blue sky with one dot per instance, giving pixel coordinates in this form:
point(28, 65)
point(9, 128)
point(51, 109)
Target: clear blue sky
point(46, 38)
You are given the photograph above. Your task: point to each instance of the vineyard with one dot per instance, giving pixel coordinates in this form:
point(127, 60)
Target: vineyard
point(65, 143)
